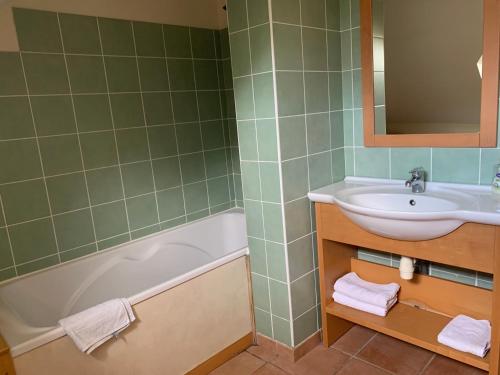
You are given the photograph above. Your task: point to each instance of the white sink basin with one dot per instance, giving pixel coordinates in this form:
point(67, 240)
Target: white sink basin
point(389, 209)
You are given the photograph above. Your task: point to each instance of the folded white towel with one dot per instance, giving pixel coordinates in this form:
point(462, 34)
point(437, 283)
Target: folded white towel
point(363, 306)
point(353, 286)
point(96, 325)
point(467, 335)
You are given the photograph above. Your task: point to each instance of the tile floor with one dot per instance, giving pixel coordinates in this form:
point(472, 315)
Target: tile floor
point(359, 352)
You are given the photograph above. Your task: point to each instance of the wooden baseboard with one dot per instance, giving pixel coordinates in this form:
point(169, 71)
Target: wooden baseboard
point(291, 354)
point(223, 356)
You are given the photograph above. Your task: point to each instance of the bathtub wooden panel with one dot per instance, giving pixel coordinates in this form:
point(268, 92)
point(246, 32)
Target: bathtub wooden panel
point(175, 331)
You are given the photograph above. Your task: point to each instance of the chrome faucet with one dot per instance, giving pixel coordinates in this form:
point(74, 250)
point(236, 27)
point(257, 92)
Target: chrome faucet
point(417, 180)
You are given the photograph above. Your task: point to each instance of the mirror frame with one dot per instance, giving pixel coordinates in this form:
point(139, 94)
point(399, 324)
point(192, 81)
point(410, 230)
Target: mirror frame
point(487, 135)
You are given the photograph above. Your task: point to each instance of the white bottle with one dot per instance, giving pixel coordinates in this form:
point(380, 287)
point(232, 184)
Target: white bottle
point(495, 185)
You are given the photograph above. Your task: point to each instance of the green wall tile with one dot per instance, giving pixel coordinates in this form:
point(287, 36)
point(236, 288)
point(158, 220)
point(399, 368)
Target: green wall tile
point(177, 41)
point(298, 220)
point(333, 14)
point(132, 145)
point(92, 112)
point(258, 12)
point(345, 14)
point(264, 98)
point(142, 211)
point(216, 163)
point(158, 108)
point(25, 160)
point(263, 323)
point(247, 140)
point(260, 44)
point(114, 241)
point(15, 117)
point(127, 110)
point(167, 173)
point(67, 192)
point(287, 11)
point(196, 196)
point(279, 299)
point(300, 256)
point(218, 191)
point(281, 329)
point(185, 106)
point(237, 15)
point(37, 31)
point(303, 294)
point(105, 185)
point(212, 133)
point(5, 253)
point(145, 231)
point(192, 168)
point(295, 174)
point(405, 159)
point(148, 39)
point(209, 105)
point(276, 261)
point(270, 180)
point(254, 219)
point(240, 53)
point(372, 162)
point(287, 47)
point(336, 94)
point(260, 289)
point(60, 154)
point(290, 91)
point(313, 13)
point(153, 74)
point(74, 229)
point(315, 56)
point(80, 34)
point(32, 240)
point(189, 137)
point(273, 222)
point(53, 115)
point(170, 204)
point(137, 179)
point(78, 252)
point(334, 51)
point(110, 220)
point(318, 132)
point(250, 177)
point(117, 37)
point(45, 74)
point(267, 140)
point(489, 158)
point(445, 162)
point(203, 43)
point(11, 74)
point(122, 74)
point(316, 92)
point(86, 74)
point(319, 168)
point(206, 74)
point(24, 201)
point(292, 137)
point(258, 262)
point(243, 96)
point(305, 326)
point(162, 141)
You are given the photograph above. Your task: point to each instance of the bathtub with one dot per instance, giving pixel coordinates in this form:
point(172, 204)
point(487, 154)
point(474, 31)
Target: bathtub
point(141, 271)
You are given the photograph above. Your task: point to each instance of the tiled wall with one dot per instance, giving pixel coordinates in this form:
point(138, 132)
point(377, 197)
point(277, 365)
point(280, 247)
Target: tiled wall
point(287, 77)
point(109, 130)
point(455, 165)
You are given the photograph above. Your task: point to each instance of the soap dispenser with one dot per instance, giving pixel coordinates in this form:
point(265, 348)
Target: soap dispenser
point(495, 185)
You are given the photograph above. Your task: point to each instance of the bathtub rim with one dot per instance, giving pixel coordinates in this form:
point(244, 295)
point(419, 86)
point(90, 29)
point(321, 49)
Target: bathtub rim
point(57, 331)
point(118, 247)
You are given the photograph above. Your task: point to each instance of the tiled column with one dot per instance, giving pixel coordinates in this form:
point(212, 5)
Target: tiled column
point(287, 81)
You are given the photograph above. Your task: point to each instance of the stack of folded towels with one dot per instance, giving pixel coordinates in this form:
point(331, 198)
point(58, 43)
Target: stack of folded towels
point(352, 291)
point(467, 335)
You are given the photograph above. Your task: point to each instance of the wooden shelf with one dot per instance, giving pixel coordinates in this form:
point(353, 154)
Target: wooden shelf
point(410, 324)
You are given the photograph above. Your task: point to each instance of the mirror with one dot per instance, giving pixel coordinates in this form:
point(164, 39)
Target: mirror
point(430, 72)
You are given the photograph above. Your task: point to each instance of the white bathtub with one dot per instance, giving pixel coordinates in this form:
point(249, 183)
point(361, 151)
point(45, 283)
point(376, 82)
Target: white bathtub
point(30, 307)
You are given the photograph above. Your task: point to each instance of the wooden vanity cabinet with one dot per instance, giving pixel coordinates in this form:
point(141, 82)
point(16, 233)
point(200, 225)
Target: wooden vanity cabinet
point(426, 304)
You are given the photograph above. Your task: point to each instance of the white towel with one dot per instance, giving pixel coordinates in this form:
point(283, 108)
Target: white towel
point(353, 286)
point(363, 306)
point(467, 335)
point(96, 325)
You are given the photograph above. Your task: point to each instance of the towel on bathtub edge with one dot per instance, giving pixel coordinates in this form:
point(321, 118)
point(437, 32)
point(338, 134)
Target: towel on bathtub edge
point(94, 326)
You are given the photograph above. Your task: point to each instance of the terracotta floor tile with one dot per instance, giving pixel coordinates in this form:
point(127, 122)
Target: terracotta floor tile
point(395, 356)
point(269, 369)
point(266, 354)
point(319, 361)
point(354, 340)
point(445, 366)
point(357, 367)
point(243, 364)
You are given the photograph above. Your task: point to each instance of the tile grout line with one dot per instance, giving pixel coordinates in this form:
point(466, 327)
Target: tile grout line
point(114, 129)
point(199, 118)
point(139, 79)
point(77, 129)
point(42, 167)
point(280, 165)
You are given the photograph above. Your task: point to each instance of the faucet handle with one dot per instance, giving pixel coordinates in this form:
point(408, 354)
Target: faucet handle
point(417, 172)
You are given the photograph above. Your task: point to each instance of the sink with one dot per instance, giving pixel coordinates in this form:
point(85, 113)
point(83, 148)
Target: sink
point(389, 209)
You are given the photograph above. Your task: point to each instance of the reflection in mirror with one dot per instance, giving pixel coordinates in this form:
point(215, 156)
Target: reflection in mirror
point(427, 66)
